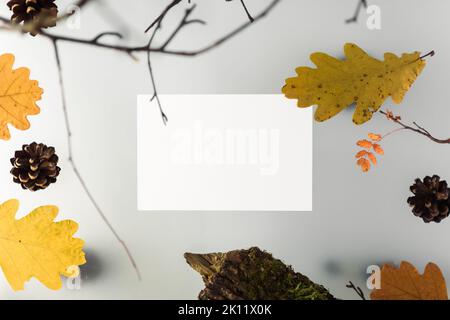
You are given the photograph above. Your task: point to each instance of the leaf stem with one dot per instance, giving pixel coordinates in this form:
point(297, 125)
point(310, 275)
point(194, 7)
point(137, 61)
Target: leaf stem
point(431, 53)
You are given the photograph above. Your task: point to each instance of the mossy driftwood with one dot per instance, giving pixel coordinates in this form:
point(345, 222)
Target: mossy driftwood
point(252, 274)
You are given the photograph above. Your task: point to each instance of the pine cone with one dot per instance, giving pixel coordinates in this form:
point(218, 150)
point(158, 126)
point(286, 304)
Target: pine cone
point(431, 199)
point(35, 14)
point(35, 166)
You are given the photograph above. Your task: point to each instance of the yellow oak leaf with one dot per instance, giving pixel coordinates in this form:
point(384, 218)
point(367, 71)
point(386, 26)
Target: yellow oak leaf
point(360, 79)
point(405, 283)
point(18, 96)
point(36, 246)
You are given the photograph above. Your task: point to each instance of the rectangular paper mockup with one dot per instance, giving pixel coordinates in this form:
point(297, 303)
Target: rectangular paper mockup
point(224, 153)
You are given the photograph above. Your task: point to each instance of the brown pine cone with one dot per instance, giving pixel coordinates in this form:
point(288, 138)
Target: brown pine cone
point(431, 199)
point(35, 14)
point(35, 166)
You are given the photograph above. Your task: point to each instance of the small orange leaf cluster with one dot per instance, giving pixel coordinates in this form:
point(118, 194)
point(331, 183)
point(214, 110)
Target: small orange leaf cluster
point(365, 157)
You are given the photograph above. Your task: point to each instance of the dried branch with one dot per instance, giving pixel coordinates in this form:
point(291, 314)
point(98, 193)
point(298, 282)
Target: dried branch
point(361, 4)
point(147, 48)
point(414, 128)
point(358, 290)
point(183, 23)
point(75, 168)
point(158, 20)
point(247, 12)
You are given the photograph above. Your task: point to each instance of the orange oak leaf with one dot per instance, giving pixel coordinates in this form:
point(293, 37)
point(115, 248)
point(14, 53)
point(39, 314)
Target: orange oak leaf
point(378, 149)
point(372, 157)
point(374, 137)
point(18, 96)
point(364, 164)
point(364, 144)
point(405, 283)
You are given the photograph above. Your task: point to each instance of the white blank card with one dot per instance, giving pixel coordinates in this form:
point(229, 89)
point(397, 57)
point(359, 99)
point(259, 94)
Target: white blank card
point(224, 153)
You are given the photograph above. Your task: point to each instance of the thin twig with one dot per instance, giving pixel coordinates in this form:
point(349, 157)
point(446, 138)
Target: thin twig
point(145, 48)
point(361, 4)
point(75, 168)
point(227, 36)
point(420, 130)
point(158, 19)
point(391, 132)
point(247, 12)
point(157, 26)
point(150, 68)
point(103, 34)
point(358, 290)
point(184, 22)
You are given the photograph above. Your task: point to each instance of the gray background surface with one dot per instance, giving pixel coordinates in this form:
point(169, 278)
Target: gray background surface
point(358, 219)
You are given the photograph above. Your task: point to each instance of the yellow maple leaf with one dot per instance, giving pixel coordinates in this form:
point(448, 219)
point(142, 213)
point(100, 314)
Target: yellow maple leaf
point(18, 96)
point(336, 84)
point(36, 246)
point(405, 283)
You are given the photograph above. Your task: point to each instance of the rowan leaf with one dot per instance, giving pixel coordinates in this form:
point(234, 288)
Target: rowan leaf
point(18, 96)
point(368, 82)
point(374, 136)
point(378, 149)
point(372, 157)
point(364, 164)
point(364, 144)
point(361, 153)
point(405, 283)
point(36, 246)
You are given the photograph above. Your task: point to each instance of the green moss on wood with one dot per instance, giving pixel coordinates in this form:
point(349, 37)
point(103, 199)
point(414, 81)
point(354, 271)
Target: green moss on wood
point(252, 275)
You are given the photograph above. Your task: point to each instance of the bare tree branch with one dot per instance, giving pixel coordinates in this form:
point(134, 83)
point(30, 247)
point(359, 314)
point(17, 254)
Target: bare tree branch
point(361, 4)
point(162, 15)
point(417, 129)
point(148, 48)
point(145, 47)
point(247, 12)
point(358, 290)
point(75, 168)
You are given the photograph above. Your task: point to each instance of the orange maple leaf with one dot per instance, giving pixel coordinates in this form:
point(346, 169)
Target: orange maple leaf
point(405, 283)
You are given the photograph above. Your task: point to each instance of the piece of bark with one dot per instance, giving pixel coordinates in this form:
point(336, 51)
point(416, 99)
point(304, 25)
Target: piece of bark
point(252, 275)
